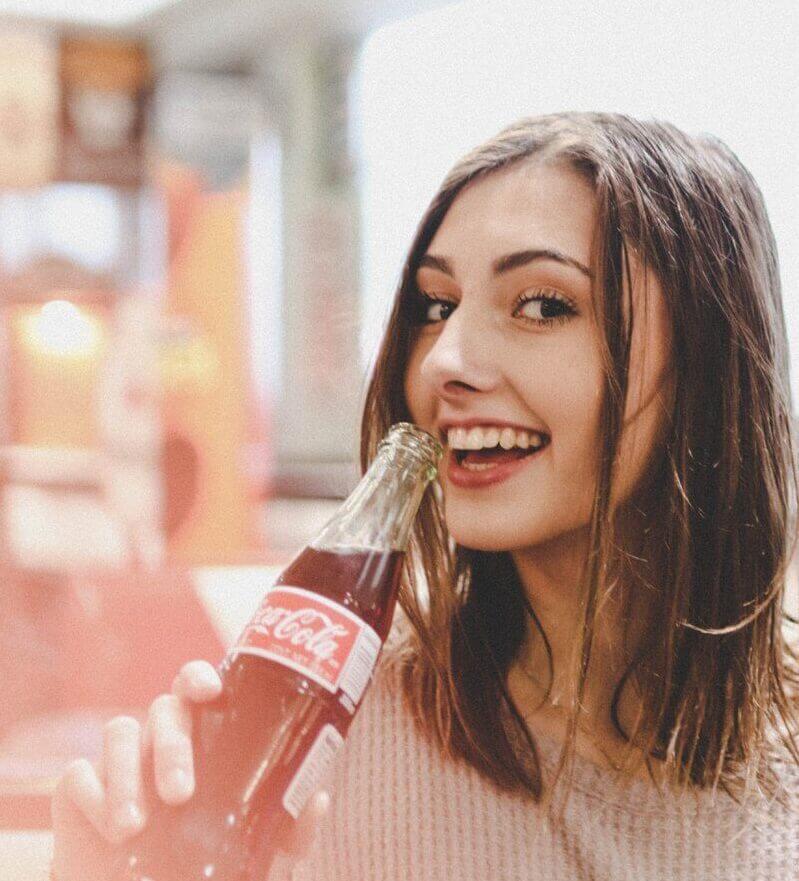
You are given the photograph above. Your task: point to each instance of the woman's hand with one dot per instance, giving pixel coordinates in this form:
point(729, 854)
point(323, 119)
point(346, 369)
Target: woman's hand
point(99, 806)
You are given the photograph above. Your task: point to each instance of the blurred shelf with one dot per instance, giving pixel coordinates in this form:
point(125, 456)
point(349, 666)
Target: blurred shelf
point(53, 467)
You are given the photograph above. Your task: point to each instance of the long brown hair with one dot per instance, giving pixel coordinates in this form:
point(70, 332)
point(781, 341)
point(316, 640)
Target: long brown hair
point(715, 673)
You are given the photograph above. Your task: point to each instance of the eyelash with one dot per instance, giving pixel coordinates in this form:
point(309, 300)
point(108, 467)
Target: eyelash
point(542, 296)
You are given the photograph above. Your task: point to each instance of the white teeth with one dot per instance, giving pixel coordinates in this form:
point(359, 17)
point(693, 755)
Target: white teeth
point(477, 466)
point(489, 437)
point(536, 440)
point(461, 435)
point(474, 439)
point(507, 438)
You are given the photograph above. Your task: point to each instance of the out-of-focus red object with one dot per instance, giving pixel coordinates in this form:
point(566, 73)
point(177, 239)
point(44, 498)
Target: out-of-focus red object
point(75, 651)
point(211, 500)
point(124, 635)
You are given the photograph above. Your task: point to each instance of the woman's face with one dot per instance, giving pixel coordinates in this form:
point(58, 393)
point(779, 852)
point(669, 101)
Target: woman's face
point(511, 344)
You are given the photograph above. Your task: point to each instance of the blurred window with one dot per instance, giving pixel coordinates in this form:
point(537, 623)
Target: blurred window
point(79, 222)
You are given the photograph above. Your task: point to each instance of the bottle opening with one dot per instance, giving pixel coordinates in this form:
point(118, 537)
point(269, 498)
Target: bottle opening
point(411, 437)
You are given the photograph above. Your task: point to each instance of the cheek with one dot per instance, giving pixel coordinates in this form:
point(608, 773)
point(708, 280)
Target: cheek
point(418, 397)
point(572, 407)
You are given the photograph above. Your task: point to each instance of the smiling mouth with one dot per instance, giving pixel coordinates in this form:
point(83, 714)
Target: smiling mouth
point(480, 460)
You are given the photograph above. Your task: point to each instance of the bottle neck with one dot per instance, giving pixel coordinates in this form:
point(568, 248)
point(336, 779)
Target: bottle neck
point(380, 511)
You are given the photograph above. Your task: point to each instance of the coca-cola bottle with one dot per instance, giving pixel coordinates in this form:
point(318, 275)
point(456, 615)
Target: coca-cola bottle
point(291, 683)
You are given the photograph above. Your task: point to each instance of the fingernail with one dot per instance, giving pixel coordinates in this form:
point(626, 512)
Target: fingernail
point(179, 783)
point(128, 816)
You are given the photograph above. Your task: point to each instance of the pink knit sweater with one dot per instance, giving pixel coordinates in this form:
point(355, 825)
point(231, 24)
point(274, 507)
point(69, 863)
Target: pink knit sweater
point(402, 812)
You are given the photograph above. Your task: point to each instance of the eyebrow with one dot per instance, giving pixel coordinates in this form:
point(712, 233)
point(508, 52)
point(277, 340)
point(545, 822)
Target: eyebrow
point(511, 261)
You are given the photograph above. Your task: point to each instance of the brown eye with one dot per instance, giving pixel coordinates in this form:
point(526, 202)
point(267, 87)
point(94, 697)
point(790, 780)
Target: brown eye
point(430, 310)
point(543, 307)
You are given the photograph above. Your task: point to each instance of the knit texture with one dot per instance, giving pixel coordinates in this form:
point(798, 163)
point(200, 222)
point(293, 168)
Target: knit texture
point(403, 812)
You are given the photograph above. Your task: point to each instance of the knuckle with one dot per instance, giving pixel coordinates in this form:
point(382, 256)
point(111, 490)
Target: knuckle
point(172, 745)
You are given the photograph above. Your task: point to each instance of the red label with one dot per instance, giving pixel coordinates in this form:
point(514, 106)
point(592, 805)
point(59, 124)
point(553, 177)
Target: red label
point(305, 631)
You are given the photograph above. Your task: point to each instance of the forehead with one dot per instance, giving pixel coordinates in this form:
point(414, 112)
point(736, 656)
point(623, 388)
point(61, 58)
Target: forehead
point(526, 205)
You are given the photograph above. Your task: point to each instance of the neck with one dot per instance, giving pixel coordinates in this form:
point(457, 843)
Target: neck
point(551, 577)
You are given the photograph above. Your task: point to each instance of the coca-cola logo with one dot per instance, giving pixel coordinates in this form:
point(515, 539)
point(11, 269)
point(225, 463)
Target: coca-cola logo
point(310, 628)
point(305, 631)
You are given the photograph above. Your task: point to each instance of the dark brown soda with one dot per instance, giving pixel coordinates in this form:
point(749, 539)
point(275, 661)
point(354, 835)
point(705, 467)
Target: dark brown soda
point(249, 743)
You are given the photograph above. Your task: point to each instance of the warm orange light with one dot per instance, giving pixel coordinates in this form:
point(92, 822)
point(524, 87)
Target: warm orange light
point(61, 329)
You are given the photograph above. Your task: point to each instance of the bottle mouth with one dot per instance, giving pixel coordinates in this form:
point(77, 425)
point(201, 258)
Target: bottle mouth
point(417, 440)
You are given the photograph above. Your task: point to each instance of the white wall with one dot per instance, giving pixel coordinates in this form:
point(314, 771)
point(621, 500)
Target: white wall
point(433, 86)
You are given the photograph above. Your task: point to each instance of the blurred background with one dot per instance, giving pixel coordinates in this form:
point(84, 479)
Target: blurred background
point(204, 207)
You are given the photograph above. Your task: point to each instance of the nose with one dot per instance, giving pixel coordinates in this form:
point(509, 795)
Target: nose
point(463, 358)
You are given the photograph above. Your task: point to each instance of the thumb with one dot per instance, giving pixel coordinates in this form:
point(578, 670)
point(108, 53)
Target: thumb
point(302, 835)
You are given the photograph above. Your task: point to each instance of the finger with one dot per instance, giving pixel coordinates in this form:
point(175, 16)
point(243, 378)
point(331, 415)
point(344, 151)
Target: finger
point(122, 749)
point(304, 831)
point(197, 682)
point(78, 812)
point(80, 788)
point(169, 733)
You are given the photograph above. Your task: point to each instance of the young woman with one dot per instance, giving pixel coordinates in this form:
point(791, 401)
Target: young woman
point(591, 679)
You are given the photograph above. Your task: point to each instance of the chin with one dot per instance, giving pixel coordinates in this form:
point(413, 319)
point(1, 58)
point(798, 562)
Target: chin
point(497, 534)
point(493, 537)
point(488, 546)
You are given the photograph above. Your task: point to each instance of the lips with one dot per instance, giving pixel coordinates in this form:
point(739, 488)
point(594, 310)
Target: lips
point(493, 456)
point(488, 467)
